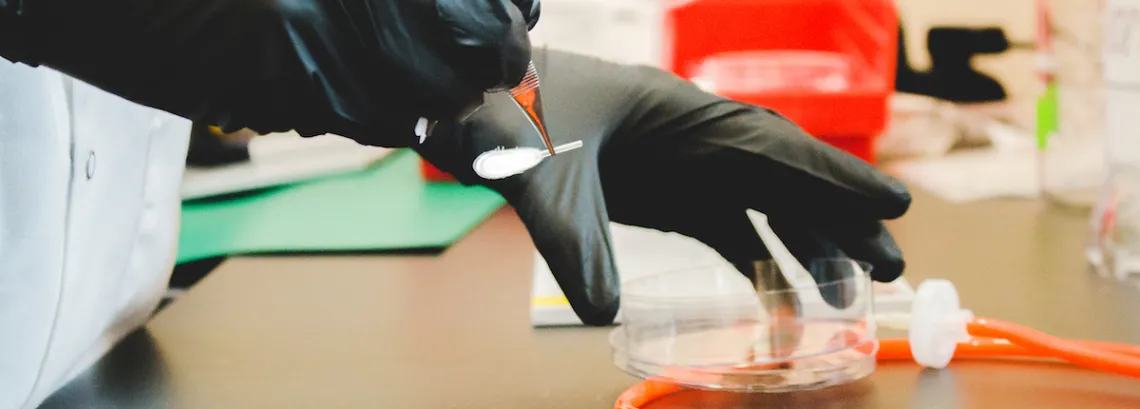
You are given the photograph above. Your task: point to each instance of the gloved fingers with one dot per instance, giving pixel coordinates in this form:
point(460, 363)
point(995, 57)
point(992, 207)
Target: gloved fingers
point(394, 130)
point(454, 144)
point(800, 176)
point(866, 241)
point(731, 233)
point(813, 249)
point(571, 232)
point(563, 207)
point(531, 9)
point(871, 242)
point(560, 202)
point(493, 44)
point(726, 230)
point(789, 171)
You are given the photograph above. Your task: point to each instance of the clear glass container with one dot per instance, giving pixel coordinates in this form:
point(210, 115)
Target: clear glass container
point(1070, 115)
point(714, 328)
point(1115, 245)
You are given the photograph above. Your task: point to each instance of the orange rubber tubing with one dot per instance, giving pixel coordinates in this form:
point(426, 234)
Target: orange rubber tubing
point(641, 394)
point(997, 339)
point(898, 349)
point(992, 339)
point(1077, 353)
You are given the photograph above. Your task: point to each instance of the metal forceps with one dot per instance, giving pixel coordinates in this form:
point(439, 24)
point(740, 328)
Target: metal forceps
point(784, 309)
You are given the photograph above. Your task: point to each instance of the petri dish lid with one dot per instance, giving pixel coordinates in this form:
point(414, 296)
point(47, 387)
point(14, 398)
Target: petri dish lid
point(711, 329)
point(803, 373)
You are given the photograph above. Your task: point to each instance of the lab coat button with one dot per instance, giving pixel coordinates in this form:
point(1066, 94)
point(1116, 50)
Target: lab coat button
point(90, 165)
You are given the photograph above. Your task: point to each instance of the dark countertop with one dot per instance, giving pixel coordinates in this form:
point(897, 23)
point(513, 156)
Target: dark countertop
point(453, 331)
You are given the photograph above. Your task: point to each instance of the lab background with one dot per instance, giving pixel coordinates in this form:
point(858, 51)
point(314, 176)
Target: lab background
point(316, 272)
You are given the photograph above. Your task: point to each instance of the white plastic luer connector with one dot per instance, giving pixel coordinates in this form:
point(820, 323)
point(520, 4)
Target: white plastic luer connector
point(937, 323)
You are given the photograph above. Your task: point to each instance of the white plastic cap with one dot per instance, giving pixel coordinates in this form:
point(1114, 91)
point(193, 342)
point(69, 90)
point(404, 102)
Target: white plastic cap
point(504, 163)
point(937, 323)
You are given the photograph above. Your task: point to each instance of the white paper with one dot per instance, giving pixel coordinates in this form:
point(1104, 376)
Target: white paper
point(1009, 168)
point(970, 176)
point(278, 159)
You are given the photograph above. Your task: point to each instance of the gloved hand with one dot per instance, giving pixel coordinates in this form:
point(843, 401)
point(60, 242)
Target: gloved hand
point(365, 69)
point(660, 153)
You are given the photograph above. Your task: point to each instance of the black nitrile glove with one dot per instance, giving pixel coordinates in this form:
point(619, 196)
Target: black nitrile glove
point(365, 69)
point(663, 154)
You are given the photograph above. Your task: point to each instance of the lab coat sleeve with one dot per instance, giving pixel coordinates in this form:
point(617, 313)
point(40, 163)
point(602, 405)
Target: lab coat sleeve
point(89, 207)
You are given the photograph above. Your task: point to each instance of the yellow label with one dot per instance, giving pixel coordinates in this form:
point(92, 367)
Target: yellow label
point(560, 301)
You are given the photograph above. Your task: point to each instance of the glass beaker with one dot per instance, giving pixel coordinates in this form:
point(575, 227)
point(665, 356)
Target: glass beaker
point(1115, 246)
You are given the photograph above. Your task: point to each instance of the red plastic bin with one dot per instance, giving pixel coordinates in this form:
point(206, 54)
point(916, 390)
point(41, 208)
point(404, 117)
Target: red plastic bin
point(828, 65)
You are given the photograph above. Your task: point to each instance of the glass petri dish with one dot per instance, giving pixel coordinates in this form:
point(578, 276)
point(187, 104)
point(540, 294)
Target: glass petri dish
point(714, 328)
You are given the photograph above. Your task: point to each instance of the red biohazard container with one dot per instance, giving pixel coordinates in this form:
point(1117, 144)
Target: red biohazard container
point(828, 65)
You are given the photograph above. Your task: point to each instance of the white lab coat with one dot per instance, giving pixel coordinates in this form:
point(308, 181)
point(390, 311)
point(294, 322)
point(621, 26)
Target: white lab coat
point(89, 210)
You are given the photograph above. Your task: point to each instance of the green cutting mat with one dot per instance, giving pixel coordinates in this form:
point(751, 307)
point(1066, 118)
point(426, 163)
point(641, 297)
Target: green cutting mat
point(384, 208)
